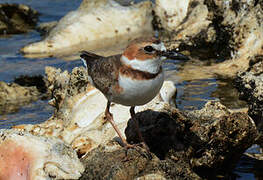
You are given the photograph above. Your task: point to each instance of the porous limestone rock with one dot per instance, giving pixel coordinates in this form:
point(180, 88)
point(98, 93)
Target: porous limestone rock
point(250, 85)
point(23, 90)
point(79, 115)
point(171, 13)
point(181, 21)
point(102, 26)
point(17, 18)
point(13, 96)
point(196, 145)
point(229, 31)
point(24, 156)
point(110, 161)
point(184, 144)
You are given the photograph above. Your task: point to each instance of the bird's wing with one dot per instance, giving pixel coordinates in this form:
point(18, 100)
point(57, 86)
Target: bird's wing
point(103, 71)
point(88, 57)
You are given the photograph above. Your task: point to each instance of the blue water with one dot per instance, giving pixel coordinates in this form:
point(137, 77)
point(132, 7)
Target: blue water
point(190, 94)
point(13, 64)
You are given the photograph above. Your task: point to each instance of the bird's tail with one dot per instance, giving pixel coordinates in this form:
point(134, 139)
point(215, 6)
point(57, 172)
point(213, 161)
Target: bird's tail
point(88, 57)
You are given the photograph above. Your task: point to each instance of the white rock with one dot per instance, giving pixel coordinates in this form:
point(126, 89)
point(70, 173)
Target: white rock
point(97, 26)
point(88, 113)
point(24, 156)
point(171, 12)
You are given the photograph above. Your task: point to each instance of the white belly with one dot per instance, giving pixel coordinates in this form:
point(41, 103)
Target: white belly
point(138, 92)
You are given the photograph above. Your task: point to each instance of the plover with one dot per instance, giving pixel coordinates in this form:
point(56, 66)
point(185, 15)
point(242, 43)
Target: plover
point(133, 78)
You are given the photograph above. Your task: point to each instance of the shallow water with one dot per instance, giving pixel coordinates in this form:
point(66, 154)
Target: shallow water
point(190, 95)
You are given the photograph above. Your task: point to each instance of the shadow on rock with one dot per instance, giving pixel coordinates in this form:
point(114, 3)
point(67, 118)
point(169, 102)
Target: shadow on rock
point(191, 145)
point(211, 139)
point(161, 131)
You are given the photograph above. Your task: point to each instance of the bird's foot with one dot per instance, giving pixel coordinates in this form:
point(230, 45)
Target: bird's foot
point(142, 148)
point(140, 145)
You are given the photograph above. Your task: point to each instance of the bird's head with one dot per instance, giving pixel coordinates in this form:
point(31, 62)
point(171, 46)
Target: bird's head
point(148, 55)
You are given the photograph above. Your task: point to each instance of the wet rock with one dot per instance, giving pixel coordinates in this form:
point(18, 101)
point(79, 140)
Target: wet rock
point(103, 26)
point(28, 81)
point(17, 18)
point(160, 131)
point(250, 86)
point(228, 31)
point(22, 91)
point(13, 96)
point(46, 27)
point(24, 156)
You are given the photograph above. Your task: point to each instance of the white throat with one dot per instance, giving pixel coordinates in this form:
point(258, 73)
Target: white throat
point(152, 65)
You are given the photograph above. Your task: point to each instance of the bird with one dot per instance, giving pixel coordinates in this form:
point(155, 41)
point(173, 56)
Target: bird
point(132, 78)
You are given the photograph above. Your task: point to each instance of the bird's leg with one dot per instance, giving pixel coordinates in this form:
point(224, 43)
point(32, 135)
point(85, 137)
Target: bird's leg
point(109, 117)
point(132, 112)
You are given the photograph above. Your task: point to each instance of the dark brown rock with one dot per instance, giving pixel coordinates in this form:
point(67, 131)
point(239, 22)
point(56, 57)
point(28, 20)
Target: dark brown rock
point(110, 162)
point(17, 18)
point(250, 86)
point(193, 145)
point(223, 138)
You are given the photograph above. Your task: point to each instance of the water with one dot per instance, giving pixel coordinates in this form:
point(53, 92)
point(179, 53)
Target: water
point(13, 64)
point(190, 94)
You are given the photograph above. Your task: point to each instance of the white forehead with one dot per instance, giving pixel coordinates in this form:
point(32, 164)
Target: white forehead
point(159, 47)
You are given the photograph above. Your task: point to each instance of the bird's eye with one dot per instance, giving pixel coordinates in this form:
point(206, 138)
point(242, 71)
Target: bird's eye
point(148, 49)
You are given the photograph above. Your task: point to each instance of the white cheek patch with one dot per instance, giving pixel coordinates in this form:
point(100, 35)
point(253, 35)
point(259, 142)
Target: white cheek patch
point(151, 65)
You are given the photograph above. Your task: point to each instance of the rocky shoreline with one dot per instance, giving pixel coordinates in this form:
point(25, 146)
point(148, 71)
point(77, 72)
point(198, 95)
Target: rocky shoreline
point(76, 143)
point(211, 139)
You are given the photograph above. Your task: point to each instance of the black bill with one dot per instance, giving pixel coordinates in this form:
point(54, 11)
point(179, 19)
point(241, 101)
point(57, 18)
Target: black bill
point(174, 55)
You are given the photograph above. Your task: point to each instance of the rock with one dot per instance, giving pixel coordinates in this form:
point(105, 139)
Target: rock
point(22, 91)
point(24, 156)
point(194, 145)
point(171, 13)
point(107, 162)
point(37, 81)
point(250, 85)
point(79, 115)
point(158, 127)
point(181, 21)
point(184, 145)
point(13, 96)
point(17, 18)
point(104, 27)
point(228, 31)
point(211, 139)
point(219, 138)
point(46, 27)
